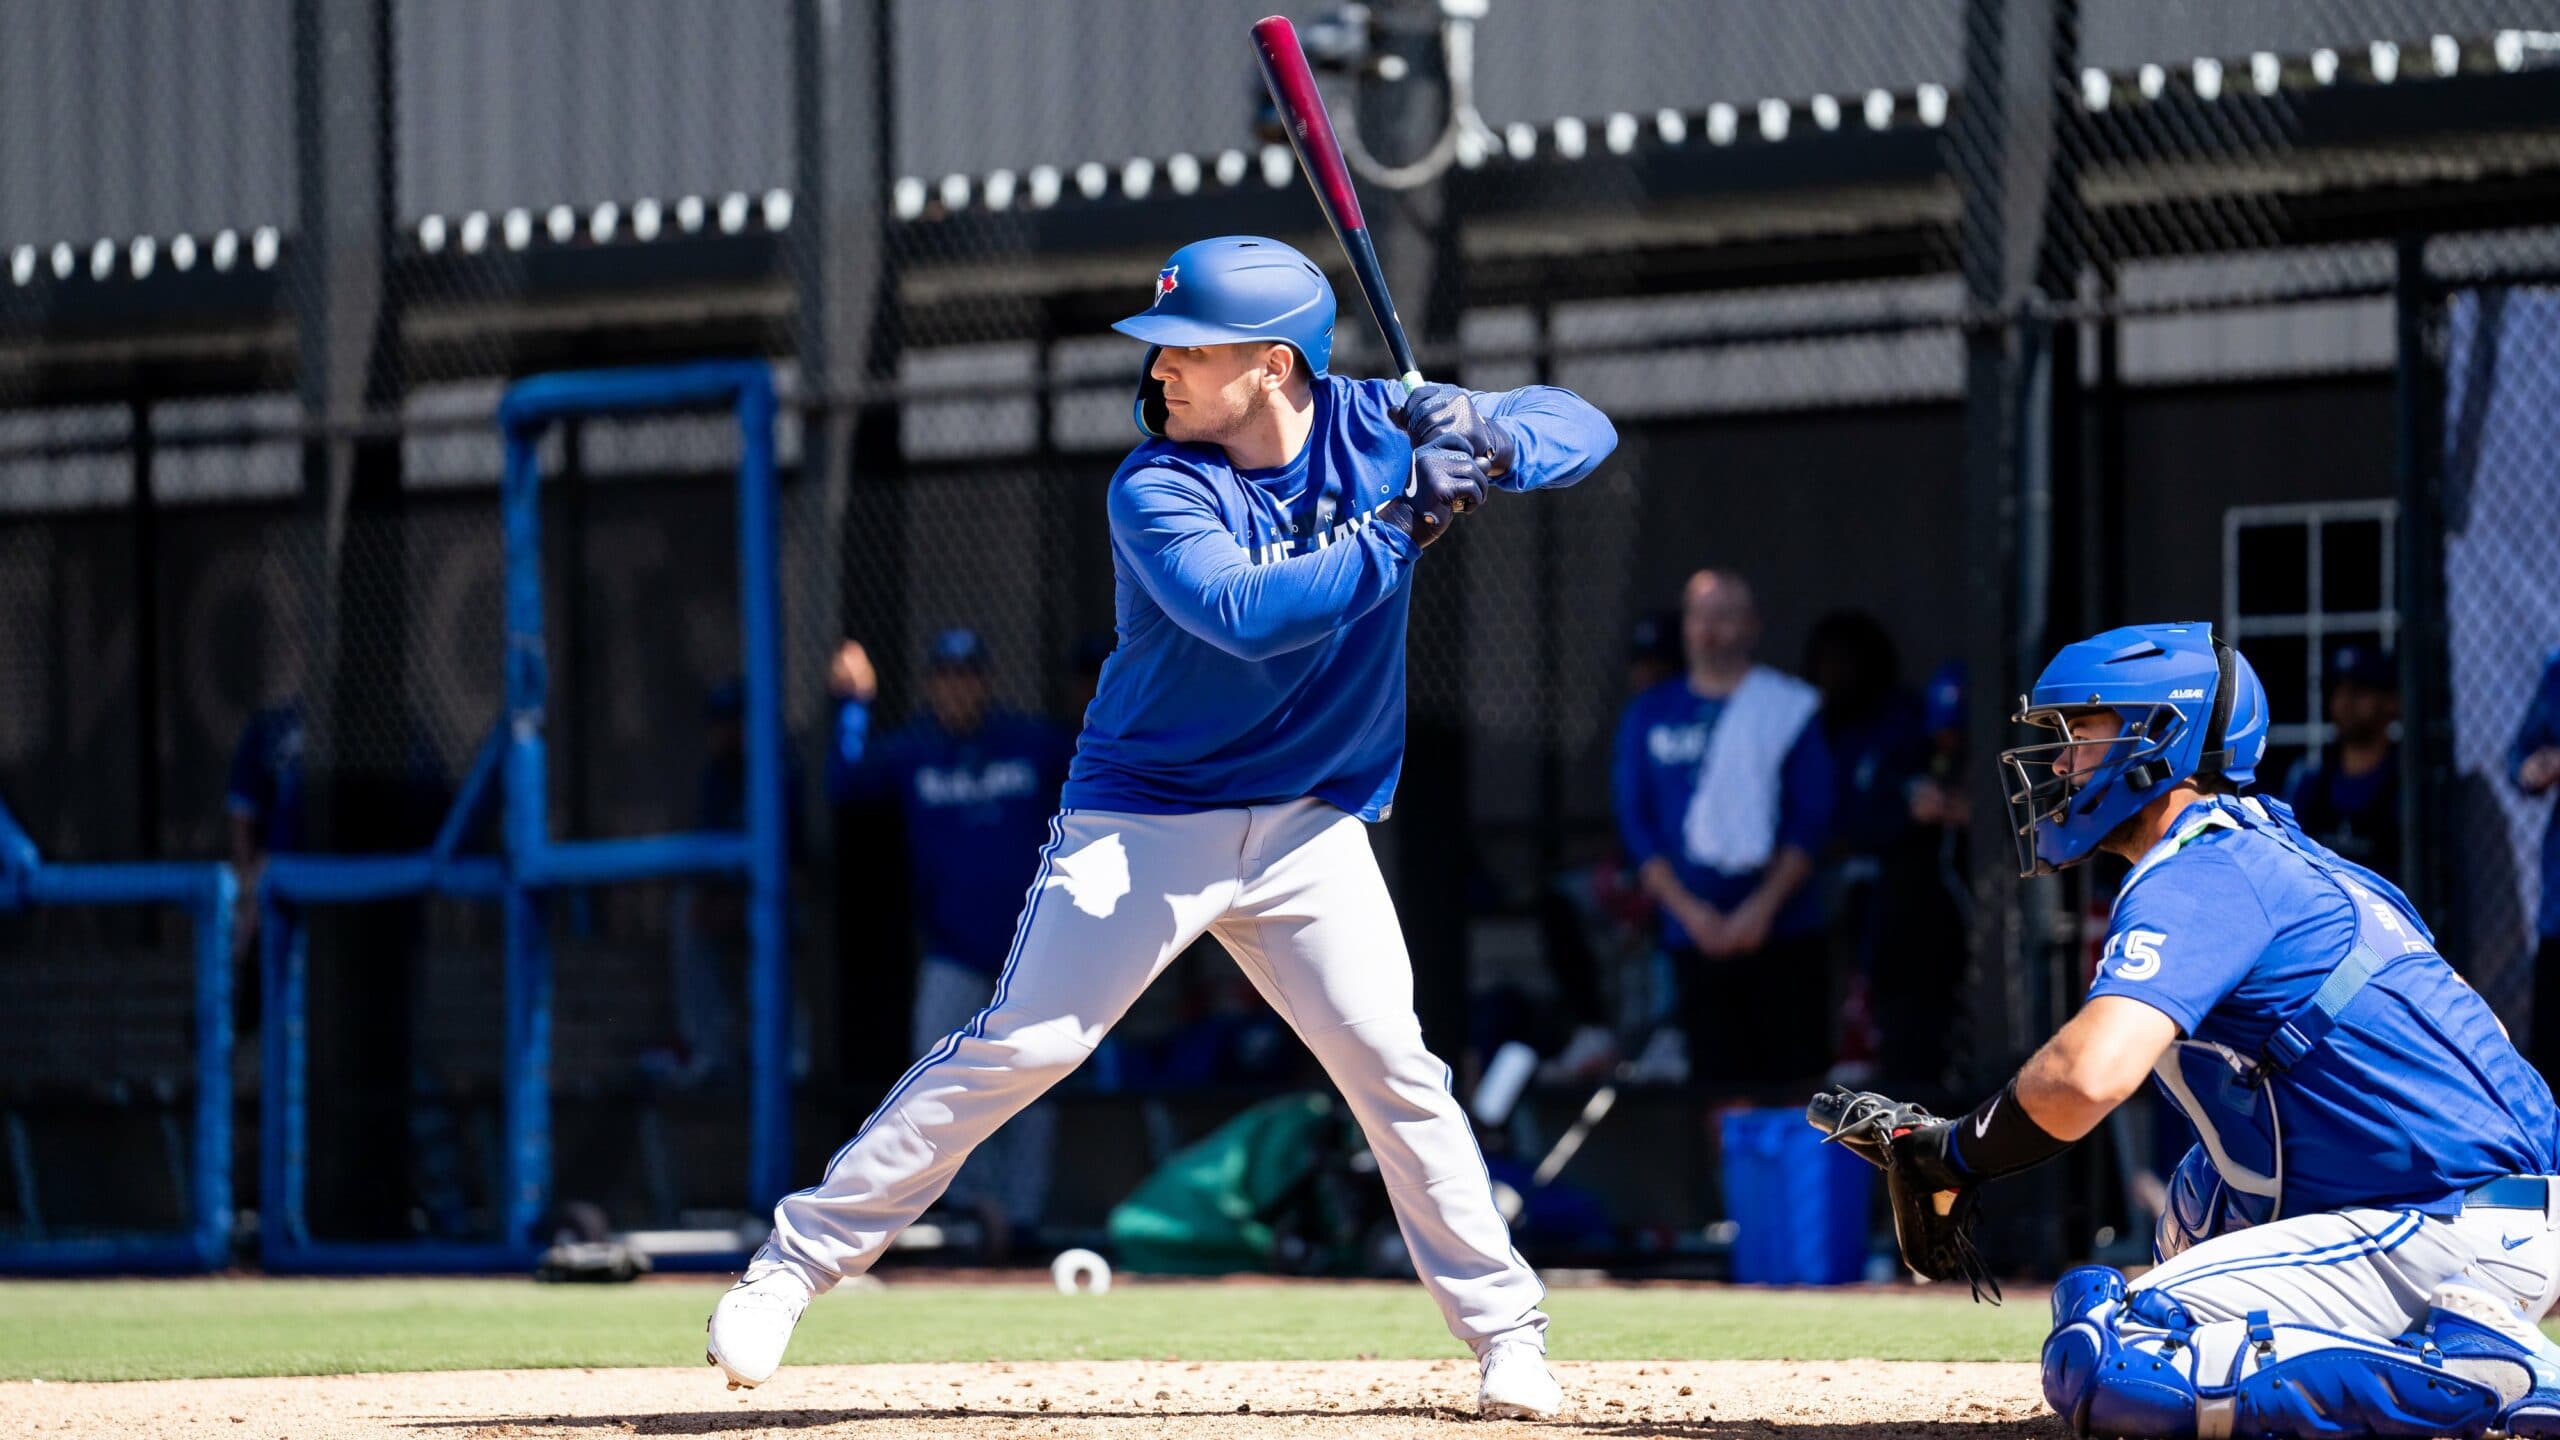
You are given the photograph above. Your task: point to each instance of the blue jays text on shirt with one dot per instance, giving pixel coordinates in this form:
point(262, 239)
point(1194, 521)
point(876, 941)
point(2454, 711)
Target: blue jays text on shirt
point(1678, 744)
point(964, 785)
point(1264, 552)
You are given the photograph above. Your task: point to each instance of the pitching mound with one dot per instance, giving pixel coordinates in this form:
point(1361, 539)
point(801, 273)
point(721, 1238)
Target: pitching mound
point(1101, 1401)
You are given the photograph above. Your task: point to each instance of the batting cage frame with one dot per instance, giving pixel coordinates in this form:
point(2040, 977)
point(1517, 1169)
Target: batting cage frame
point(534, 863)
point(206, 890)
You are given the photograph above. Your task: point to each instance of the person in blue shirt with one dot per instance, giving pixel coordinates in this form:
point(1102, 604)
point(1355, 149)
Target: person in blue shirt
point(263, 799)
point(1923, 900)
point(1871, 725)
point(1264, 539)
point(2368, 1231)
point(2349, 800)
point(2533, 763)
point(1724, 795)
point(973, 785)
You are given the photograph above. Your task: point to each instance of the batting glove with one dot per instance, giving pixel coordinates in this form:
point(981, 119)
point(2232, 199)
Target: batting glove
point(1435, 412)
point(1447, 482)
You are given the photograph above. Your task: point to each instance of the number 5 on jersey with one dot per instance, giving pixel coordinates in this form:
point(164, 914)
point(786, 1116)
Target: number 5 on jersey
point(2134, 953)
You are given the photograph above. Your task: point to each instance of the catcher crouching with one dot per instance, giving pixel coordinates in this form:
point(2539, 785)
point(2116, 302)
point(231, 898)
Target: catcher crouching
point(2367, 1233)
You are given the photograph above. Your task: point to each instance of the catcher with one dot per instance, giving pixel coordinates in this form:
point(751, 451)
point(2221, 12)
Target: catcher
point(2365, 1236)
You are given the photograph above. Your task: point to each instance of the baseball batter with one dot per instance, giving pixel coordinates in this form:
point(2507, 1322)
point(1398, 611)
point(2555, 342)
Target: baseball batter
point(1251, 719)
point(2364, 1238)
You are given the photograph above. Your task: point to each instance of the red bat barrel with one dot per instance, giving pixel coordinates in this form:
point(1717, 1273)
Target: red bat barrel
point(1293, 89)
point(1302, 112)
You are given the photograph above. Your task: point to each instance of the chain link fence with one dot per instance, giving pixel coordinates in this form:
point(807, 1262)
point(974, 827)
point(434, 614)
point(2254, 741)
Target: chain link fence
point(2501, 579)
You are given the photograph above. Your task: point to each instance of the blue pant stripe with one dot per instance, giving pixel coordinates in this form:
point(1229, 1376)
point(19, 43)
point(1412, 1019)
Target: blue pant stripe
point(1022, 927)
point(950, 1044)
point(2338, 1252)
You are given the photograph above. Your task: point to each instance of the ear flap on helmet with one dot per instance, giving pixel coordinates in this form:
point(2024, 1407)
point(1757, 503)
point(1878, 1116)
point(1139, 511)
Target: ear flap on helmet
point(1150, 411)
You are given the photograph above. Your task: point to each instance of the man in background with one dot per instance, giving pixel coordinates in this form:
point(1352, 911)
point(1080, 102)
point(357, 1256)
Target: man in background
point(1919, 971)
point(2533, 762)
point(263, 800)
point(1724, 793)
point(2349, 798)
point(1871, 725)
point(972, 786)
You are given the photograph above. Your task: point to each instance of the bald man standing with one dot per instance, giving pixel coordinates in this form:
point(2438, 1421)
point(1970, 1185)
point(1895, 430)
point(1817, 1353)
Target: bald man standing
point(1724, 793)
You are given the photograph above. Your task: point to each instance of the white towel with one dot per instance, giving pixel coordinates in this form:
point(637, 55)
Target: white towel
point(1732, 824)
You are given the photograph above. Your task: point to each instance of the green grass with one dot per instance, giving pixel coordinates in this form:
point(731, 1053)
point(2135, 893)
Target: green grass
point(135, 1330)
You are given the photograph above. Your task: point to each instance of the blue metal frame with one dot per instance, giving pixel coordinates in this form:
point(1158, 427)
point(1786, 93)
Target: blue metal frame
point(760, 854)
point(206, 891)
point(517, 756)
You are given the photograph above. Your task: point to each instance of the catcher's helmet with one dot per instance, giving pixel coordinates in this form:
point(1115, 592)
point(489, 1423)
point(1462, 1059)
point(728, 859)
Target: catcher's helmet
point(2191, 706)
point(1225, 290)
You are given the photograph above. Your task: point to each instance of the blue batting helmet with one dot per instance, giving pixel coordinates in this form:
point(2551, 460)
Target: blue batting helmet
point(2190, 706)
point(1225, 290)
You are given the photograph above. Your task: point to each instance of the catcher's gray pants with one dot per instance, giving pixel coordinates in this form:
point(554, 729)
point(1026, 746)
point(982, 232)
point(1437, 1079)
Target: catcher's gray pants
point(1294, 894)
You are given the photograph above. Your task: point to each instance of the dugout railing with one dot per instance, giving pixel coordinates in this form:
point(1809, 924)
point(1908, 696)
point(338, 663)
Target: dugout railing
point(205, 892)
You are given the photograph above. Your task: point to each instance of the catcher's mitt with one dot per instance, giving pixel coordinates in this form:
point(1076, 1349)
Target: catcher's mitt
point(1934, 1226)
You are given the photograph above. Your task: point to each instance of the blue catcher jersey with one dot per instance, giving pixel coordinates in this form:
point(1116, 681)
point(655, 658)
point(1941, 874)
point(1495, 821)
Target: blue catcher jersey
point(2329, 1056)
point(1261, 613)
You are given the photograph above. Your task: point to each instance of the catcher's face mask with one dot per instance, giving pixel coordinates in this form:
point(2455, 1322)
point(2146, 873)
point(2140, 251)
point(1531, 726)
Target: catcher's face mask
point(2066, 794)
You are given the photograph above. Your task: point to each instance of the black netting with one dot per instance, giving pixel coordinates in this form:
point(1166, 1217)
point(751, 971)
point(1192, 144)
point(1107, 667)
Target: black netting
point(98, 1074)
point(1993, 321)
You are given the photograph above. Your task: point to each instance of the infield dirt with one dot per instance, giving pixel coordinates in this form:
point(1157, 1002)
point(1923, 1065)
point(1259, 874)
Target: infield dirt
point(1868, 1400)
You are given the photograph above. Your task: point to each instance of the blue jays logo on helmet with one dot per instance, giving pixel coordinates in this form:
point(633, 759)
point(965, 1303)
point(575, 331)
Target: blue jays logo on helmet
point(1226, 290)
point(2185, 703)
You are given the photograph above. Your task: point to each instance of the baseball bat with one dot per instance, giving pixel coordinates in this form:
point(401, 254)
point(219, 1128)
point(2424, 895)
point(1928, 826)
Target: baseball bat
point(1569, 1144)
point(1293, 90)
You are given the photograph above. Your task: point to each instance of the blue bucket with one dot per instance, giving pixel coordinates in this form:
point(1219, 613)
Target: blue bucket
point(1800, 1206)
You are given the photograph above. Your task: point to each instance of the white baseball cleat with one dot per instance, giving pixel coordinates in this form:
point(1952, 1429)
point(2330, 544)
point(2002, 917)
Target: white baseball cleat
point(1517, 1386)
point(751, 1326)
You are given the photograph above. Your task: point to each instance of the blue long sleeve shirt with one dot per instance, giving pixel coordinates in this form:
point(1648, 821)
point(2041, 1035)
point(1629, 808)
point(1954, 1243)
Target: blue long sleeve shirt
point(1261, 613)
point(2541, 727)
point(1661, 748)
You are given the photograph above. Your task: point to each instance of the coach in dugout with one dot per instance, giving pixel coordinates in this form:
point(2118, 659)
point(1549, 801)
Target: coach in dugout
point(973, 786)
point(1724, 793)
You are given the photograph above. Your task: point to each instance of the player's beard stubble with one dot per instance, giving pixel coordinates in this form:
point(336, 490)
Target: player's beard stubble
point(1192, 426)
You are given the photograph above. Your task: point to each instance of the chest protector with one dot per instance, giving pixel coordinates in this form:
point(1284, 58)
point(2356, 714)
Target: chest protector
point(2235, 1100)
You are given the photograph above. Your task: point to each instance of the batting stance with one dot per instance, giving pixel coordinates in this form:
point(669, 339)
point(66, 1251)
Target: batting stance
point(1252, 717)
point(2364, 1239)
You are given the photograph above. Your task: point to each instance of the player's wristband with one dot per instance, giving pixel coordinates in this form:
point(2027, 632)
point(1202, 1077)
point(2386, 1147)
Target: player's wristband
point(2000, 1138)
